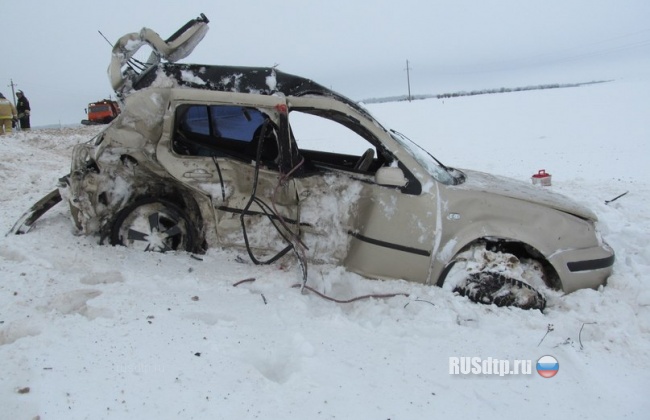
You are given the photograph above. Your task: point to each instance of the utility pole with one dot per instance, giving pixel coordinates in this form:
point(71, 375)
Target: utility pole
point(408, 79)
point(13, 92)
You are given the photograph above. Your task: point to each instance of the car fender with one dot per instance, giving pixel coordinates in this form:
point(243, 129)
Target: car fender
point(528, 225)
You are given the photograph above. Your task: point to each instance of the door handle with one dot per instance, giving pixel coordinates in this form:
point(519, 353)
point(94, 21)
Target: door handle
point(198, 174)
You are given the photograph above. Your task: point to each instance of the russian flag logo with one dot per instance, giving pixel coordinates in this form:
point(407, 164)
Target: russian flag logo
point(547, 366)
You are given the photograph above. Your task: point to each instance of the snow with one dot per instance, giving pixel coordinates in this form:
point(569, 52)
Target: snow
point(271, 81)
point(104, 332)
point(188, 76)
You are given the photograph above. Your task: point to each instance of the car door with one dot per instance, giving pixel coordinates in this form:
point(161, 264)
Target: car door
point(346, 214)
point(212, 147)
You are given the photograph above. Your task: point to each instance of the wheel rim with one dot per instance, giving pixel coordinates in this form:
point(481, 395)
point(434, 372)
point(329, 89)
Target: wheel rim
point(154, 227)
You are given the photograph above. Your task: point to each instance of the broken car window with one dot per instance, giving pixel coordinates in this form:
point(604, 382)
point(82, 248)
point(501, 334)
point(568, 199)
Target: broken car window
point(327, 139)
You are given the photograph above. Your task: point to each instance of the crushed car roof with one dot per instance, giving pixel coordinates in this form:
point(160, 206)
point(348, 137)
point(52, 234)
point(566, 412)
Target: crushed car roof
point(127, 74)
point(257, 80)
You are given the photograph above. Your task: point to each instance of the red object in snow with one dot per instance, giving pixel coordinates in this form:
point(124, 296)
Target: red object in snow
point(102, 112)
point(542, 178)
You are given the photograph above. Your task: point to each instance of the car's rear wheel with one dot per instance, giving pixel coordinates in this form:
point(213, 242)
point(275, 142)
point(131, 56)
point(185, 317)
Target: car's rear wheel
point(153, 225)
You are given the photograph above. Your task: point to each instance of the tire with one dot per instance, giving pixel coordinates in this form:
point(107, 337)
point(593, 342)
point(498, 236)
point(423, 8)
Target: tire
point(152, 224)
point(494, 288)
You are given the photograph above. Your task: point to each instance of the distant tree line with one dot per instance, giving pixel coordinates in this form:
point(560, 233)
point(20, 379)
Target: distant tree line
point(480, 92)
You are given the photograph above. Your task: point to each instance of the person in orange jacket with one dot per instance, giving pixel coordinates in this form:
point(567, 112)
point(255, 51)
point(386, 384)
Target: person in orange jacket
point(7, 114)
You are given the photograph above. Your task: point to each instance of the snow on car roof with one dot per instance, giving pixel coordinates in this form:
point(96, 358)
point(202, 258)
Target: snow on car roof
point(257, 80)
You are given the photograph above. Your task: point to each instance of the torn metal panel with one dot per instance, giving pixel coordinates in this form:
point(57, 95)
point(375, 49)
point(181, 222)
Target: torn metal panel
point(24, 224)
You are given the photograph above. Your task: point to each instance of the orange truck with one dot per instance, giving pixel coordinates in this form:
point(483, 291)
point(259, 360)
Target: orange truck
point(101, 112)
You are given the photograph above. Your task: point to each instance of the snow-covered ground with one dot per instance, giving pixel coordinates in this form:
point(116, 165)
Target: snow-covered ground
point(104, 332)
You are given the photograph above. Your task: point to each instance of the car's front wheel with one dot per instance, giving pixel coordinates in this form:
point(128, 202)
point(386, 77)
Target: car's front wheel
point(496, 277)
point(491, 287)
point(153, 225)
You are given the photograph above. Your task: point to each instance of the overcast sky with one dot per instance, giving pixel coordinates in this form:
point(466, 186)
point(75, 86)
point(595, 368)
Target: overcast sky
point(55, 54)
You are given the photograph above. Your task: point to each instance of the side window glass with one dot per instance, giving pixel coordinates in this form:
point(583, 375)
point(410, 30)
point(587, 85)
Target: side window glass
point(221, 130)
point(235, 122)
point(196, 120)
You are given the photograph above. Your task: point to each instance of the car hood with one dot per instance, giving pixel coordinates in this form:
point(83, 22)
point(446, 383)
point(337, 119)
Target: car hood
point(507, 187)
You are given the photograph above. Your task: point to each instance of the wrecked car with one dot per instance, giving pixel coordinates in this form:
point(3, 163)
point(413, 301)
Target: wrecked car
point(210, 156)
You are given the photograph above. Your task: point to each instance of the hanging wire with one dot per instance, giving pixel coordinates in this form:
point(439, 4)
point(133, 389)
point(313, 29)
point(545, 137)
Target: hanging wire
point(271, 212)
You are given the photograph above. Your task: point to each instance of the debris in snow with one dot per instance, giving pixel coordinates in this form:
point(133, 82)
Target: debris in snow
point(549, 328)
point(354, 299)
point(419, 300)
point(580, 333)
point(249, 280)
point(616, 198)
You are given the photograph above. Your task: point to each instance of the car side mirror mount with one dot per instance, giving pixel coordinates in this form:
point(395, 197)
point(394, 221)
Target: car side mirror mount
point(390, 176)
